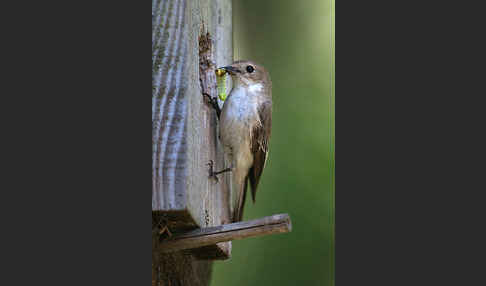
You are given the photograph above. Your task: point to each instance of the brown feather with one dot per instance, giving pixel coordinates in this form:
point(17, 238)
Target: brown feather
point(238, 211)
point(259, 145)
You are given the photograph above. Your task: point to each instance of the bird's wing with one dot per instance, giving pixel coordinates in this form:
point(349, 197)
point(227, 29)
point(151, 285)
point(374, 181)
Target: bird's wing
point(260, 136)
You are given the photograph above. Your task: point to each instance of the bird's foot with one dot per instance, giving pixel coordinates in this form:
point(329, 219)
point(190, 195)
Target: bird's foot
point(214, 103)
point(213, 174)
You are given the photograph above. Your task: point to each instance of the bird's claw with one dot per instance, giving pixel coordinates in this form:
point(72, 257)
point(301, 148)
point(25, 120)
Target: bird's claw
point(212, 174)
point(214, 103)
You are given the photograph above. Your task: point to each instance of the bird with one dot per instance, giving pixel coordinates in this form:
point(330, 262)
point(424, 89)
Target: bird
point(245, 128)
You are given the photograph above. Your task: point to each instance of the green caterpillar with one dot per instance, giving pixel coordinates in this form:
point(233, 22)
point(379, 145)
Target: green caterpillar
point(221, 82)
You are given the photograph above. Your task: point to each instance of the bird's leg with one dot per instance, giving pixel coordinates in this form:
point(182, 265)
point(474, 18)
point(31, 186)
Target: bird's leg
point(214, 103)
point(212, 173)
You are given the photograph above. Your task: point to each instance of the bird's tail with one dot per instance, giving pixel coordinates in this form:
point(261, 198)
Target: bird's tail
point(240, 200)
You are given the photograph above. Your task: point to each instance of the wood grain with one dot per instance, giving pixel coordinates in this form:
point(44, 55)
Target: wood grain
point(184, 126)
point(207, 236)
point(184, 134)
point(169, 105)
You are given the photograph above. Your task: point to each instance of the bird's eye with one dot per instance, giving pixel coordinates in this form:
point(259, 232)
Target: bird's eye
point(249, 69)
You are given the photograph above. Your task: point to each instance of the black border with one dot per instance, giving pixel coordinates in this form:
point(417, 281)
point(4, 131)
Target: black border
point(75, 186)
point(410, 144)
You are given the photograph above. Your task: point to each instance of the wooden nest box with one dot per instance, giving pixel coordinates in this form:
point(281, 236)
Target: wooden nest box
point(184, 126)
point(190, 39)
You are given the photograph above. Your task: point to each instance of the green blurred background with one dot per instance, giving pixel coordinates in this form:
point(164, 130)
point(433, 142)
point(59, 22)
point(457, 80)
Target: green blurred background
point(294, 40)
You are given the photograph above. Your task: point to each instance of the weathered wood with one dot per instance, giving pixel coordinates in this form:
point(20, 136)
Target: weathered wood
point(210, 235)
point(170, 90)
point(184, 133)
point(178, 268)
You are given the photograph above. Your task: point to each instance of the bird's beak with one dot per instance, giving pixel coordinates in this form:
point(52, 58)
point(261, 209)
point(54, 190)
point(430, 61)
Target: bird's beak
point(231, 70)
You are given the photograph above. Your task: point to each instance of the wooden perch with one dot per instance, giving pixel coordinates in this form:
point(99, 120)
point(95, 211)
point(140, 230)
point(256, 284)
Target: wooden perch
point(279, 223)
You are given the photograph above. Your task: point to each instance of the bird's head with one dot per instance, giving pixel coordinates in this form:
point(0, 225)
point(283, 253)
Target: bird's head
point(249, 74)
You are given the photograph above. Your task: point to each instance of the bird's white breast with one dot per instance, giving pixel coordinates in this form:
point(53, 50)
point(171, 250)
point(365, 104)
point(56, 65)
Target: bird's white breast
point(256, 87)
point(241, 104)
point(238, 117)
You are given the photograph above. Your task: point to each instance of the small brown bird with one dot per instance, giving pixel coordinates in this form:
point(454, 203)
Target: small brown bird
point(245, 128)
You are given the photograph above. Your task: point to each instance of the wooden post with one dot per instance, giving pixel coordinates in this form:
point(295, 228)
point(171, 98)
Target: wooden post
point(189, 39)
